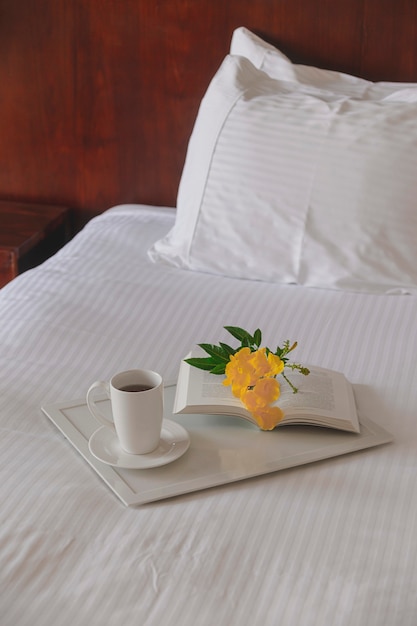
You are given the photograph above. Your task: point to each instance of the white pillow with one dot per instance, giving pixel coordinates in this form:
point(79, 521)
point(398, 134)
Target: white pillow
point(290, 183)
point(269, 59)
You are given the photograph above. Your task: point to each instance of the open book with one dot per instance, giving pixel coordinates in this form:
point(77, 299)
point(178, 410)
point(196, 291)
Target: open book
point(324, 398)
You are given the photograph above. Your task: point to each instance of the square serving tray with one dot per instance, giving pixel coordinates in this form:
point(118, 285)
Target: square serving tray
point(223, 449)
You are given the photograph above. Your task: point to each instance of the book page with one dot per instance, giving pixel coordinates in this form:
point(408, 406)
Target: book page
point(200, 388)
point(316, 392)
point(324, 397)
point(212, 390)
point(323, 392)
point(212, 387)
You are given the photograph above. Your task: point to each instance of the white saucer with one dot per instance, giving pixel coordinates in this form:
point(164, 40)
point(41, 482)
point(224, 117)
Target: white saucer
point(104, 445)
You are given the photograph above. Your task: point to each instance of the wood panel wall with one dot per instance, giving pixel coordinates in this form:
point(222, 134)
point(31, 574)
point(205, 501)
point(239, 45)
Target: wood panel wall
point(98, 97)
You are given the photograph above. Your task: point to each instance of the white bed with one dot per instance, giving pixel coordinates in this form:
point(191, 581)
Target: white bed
point(328, 543)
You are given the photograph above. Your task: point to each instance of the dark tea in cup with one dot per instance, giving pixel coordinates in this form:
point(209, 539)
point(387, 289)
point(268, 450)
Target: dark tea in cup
point(135, 387)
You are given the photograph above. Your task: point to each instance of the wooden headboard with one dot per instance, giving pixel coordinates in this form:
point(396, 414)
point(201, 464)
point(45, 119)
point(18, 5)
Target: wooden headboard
point(98, 98)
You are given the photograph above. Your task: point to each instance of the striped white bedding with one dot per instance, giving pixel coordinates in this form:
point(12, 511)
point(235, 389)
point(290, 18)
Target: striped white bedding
point(333, 543)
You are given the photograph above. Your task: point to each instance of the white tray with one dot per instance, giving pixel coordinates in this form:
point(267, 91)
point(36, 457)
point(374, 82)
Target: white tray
point(223, 449)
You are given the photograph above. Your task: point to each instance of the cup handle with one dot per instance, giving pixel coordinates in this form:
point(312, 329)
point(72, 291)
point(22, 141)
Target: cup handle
point(93, 408)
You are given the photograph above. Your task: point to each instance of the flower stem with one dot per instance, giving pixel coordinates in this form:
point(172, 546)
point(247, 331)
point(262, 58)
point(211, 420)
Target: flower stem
point(294, 389)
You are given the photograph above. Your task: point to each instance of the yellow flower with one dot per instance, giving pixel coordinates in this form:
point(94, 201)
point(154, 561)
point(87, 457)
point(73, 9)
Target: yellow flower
point(251, 371)
point(275, 363)
point(239, 371)
point(266, 366)
point(268, 417)
point(264, 392)
point(245, 367)
point(257, 401)
point(252, 378)
point(260, 363)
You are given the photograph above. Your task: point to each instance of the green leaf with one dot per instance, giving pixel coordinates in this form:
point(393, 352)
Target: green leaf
point(239, 333)
point(219, 369)
point(214, 351)
point(257, 337)
point(246, 343)
point(202, 363)
point(204, 346)
point(227, 349)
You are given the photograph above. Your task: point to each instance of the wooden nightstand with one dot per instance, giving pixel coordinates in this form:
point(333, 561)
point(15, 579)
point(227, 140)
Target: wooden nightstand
point(29, 233)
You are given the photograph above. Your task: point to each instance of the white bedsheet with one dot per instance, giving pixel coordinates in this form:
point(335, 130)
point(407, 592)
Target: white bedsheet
point(333, 543)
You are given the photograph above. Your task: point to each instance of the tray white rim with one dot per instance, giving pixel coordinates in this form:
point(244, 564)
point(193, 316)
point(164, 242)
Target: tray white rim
point(114, 477)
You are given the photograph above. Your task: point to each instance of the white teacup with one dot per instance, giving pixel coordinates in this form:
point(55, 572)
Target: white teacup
point(137, 405)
